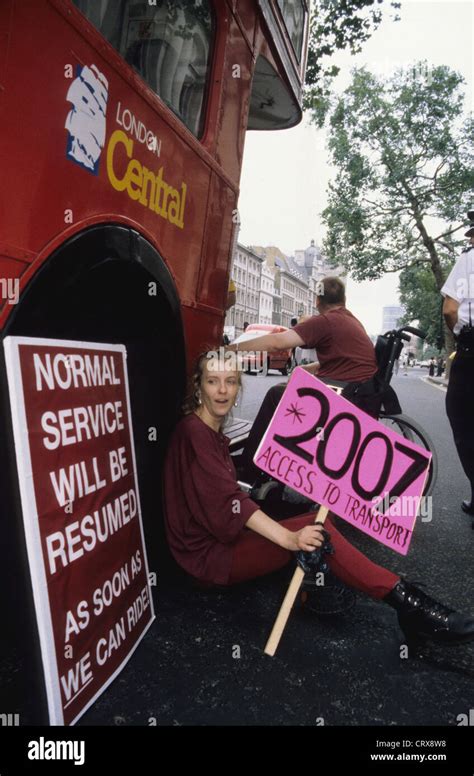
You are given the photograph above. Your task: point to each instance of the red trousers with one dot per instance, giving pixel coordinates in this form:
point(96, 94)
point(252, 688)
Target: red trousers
point(255, 556)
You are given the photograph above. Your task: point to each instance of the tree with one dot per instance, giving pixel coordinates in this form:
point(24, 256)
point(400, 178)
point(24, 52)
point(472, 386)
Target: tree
point(403, 152)
point(336, 25)
point(422, 302)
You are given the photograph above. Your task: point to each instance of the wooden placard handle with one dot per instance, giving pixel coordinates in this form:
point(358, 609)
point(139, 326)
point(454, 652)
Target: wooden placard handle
point(293, 588)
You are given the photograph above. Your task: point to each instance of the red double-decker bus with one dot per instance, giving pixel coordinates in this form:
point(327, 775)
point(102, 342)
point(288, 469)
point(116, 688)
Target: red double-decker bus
point(121, 140)
point(122, 133)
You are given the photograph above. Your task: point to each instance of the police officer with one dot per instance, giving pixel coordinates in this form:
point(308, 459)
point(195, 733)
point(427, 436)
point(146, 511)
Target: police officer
point(458, 311)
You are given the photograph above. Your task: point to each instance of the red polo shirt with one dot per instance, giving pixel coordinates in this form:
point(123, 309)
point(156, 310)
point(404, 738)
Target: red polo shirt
point(204, 508)
point(344, 350)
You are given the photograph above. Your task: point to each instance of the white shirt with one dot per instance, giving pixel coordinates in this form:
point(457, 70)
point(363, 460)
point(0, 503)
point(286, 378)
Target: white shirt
point(305, 355)
point(460, 286)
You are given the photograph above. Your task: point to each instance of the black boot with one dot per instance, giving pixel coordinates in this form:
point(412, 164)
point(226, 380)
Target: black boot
point(421, 618)
point(468, 507)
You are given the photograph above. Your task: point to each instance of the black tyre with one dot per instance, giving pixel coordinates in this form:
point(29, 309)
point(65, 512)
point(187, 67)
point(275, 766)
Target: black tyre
point(95, 287)
point(411, 430)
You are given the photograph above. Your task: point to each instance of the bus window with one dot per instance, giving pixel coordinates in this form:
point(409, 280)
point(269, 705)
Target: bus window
point(271, 104)
point(293, 12)
point(169, 44)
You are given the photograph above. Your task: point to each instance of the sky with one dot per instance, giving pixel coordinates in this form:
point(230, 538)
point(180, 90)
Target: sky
point(285, 173)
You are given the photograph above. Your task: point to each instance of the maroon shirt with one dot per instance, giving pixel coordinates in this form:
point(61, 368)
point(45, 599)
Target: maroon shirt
point(344, 350)
point(204, 508)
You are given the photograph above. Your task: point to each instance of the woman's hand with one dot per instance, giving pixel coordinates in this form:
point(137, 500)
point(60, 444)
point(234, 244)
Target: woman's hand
point(307, 539)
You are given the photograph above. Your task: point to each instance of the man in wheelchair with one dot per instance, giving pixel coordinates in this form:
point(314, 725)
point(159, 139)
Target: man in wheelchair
point(347, 360)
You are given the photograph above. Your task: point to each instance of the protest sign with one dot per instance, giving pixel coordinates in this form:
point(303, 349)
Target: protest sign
point(81, 513)
point(324, 447)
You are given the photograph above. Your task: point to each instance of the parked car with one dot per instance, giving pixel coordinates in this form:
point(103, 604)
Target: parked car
point(254, 362)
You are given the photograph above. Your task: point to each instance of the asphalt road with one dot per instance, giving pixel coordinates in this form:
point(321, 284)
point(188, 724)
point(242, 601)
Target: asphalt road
point(202, 662)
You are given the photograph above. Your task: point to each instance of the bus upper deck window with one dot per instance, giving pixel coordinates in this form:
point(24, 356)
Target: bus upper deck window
point(293, 12)
point(169, 44)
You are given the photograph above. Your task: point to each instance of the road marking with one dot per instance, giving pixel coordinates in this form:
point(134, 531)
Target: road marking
point(439, 387)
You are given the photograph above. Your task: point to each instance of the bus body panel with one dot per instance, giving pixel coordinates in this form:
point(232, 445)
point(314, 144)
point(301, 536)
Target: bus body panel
point(221, 219)
point(5, 14)
point(32, 220)
point(244, 12)
point(132, 179)
point(234, 107)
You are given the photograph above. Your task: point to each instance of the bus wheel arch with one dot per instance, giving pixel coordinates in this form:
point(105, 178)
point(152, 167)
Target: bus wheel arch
point(108, 283)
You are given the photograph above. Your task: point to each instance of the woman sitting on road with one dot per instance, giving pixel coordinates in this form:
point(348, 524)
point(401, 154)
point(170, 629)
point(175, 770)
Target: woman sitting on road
point(218, 535)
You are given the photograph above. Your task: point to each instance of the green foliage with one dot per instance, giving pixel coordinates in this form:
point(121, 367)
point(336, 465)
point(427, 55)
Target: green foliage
point(422, 301)
point(336, 25)
point(404, 158)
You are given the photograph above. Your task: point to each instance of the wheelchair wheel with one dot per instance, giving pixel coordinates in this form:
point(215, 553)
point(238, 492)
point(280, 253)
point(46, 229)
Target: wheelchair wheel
point(411, 430)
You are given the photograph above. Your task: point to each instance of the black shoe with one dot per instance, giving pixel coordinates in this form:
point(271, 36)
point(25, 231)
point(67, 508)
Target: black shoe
point(467, 507)
point(421, 618)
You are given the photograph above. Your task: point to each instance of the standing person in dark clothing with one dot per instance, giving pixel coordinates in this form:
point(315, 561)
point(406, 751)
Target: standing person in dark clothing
point(458, 310)
point(218, 535)
point(293, 323)
point(432, 367)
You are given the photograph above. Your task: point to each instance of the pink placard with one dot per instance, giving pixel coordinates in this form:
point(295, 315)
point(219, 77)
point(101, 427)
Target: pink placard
point(324, 447)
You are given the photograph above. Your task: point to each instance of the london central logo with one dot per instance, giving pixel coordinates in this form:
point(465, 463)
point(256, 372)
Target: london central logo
point(86, 122)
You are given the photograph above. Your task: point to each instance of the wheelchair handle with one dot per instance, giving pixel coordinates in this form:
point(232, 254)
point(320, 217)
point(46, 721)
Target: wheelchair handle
point(411, 330)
